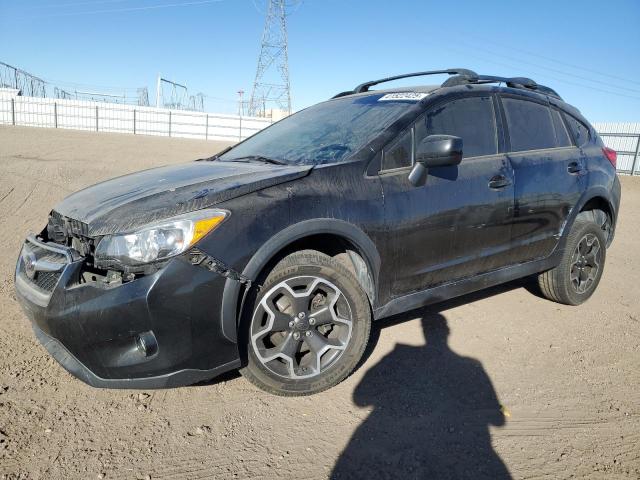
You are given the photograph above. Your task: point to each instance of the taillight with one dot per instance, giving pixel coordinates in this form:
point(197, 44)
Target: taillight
point(611, 155)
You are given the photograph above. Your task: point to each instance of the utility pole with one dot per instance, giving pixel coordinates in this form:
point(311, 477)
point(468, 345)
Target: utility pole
point(158, 91)
point(240, 106)
point(272, 75)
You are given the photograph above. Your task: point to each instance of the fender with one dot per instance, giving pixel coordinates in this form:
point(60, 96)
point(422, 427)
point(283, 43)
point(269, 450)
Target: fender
point(591, 193)
point(281, 240)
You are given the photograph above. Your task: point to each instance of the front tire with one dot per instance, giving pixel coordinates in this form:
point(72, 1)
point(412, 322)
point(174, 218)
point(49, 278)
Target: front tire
point(308, 327)
point(575, 279)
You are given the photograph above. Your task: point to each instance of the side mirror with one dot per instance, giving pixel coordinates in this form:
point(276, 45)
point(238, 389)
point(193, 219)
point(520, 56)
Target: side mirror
point(435, 151)
point(439, 151)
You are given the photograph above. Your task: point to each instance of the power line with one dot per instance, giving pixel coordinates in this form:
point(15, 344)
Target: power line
point(78, 4)
point(295, 4)
point(569, 82)
point(76, 85)
point(127, 9)
point(551, 69)
point(561, 62)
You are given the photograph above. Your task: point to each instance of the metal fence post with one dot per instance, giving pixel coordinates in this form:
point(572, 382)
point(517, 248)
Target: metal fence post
point(206, 128)
point(635, 157)
point(134, 121)
point(13, 111)
point(55, 114)
point(97, 118)
point(169, 122)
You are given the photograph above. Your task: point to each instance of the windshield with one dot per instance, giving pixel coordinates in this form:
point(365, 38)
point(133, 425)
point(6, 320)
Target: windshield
point(325, 133)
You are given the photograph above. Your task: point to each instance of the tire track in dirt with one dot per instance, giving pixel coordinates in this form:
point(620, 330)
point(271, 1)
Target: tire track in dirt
point(7, 194)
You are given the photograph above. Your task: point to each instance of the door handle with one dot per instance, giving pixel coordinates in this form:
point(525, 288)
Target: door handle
point(499, 181)
point(574, 167)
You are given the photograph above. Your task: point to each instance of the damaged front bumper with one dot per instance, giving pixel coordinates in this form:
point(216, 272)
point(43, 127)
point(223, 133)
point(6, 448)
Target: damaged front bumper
point(158, 330)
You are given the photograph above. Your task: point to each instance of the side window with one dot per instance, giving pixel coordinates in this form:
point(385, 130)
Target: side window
point(530, 125)
point(579, 130)
point(562, 137)
point(398, 155)
point(471, 119)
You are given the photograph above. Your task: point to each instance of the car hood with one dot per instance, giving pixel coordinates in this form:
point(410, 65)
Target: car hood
point(128, 202)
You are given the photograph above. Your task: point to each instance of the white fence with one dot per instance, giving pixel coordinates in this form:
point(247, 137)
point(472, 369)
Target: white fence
point(118, 118)
point(624, 138)
point(111, 117)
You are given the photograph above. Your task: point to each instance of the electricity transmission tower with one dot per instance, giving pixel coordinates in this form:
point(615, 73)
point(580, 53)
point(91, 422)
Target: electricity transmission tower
point(170, 94)
point(271, 86)
point(143, 97)
point(196, 102)
point(27, 84)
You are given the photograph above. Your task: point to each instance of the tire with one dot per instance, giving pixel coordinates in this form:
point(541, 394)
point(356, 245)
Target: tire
point(308, 326)
point(577, 276)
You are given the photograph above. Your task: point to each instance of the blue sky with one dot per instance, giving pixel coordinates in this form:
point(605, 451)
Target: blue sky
point(587, 50)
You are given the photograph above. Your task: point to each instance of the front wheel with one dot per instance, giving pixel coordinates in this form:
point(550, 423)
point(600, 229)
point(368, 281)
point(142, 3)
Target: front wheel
point(309, 327)
point(575, 279)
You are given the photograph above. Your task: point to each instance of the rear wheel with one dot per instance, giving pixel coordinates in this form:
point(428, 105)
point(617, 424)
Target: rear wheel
point(309, 326)
point(575, 279)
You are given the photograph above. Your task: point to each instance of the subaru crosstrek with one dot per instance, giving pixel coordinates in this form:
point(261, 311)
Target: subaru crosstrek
point(276, 255)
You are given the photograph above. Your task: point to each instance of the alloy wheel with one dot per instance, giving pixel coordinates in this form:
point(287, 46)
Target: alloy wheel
point(585, 263)
point(301, 327)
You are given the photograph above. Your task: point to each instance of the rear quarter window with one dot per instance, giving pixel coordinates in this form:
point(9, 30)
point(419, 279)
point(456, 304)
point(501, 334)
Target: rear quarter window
point(562, 136)
point(579, 130)
point(530, 125)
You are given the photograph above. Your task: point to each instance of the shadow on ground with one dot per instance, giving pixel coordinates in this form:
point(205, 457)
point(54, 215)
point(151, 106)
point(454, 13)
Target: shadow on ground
point(431, 409)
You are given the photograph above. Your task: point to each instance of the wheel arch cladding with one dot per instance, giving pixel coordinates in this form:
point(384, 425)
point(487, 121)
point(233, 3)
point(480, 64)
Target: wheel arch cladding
point(593, 200)
point(330, 236)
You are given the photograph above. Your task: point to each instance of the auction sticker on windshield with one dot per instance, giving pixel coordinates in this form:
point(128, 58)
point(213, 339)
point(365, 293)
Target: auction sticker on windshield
point(411, 96)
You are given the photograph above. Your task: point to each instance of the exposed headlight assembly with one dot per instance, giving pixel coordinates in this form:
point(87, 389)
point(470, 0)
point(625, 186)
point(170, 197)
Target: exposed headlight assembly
point(163, 240)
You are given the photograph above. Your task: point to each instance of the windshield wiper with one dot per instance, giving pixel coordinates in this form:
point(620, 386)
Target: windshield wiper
point(214, 157)
point(259, 158)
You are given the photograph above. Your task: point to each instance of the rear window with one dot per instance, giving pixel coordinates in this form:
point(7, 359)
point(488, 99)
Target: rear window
point(579, 130)
point(530, 125)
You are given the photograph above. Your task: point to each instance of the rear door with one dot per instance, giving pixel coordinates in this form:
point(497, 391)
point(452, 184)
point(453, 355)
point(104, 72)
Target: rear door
point(457, 224)
point(548, 170)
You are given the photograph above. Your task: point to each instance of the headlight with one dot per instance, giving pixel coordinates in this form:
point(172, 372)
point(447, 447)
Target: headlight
point(160, 241)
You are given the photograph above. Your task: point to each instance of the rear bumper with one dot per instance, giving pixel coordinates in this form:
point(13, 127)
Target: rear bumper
point(159, 330)
point(616, 194)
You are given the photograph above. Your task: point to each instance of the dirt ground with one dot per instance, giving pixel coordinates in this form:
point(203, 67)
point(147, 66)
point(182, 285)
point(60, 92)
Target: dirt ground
point(567, 377)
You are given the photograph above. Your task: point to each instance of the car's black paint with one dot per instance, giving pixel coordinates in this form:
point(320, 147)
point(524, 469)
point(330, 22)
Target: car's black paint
point(131, 201)
point(485, 221)
point(98, 326)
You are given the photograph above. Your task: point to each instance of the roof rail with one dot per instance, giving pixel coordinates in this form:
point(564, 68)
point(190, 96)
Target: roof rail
point(461, 76)
point(513, 82)
point(363, 87)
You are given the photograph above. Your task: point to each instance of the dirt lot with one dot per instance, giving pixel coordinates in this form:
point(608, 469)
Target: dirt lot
point(567, 377)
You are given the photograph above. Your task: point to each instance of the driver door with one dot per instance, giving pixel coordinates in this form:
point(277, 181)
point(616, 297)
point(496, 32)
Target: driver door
point(459, 223)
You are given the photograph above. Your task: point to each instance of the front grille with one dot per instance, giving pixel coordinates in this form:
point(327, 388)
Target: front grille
point(41, 264)
point(47, 280)
point(48, 255)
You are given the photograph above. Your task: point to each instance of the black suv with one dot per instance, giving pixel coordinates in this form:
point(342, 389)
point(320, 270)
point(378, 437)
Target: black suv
point(276, 255)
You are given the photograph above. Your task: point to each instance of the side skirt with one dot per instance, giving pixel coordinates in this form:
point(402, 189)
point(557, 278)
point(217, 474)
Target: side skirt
point(462, 287)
